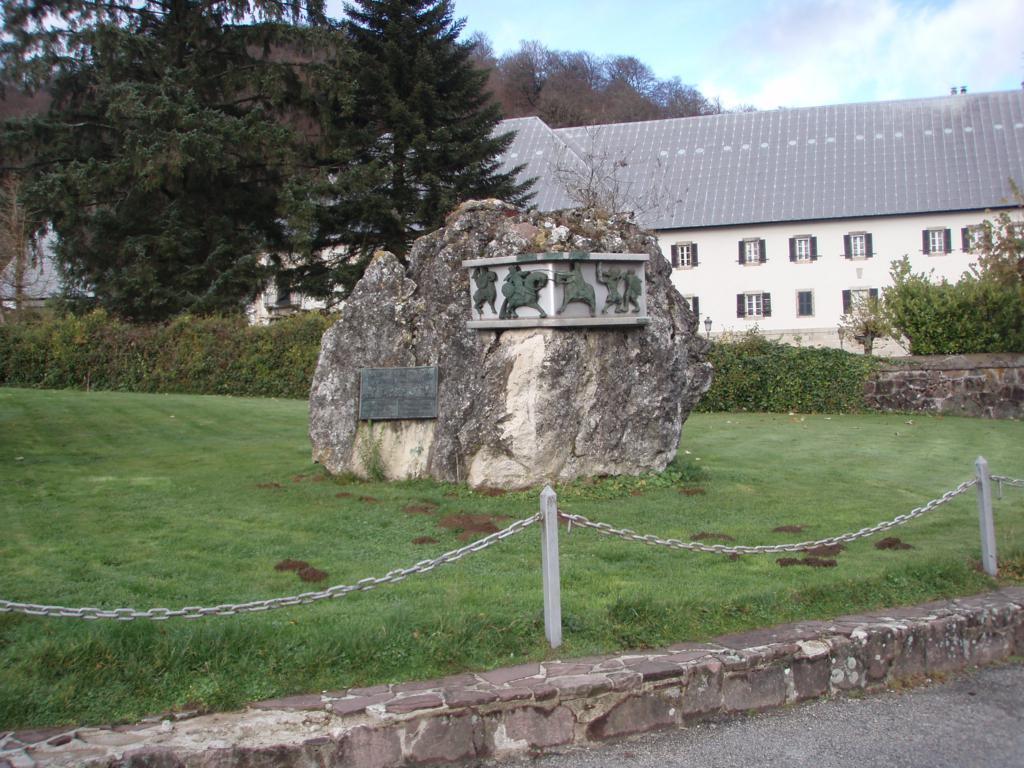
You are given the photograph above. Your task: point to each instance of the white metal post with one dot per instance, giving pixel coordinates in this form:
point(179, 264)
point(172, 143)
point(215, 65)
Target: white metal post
point(988, 527)
point(549, 565)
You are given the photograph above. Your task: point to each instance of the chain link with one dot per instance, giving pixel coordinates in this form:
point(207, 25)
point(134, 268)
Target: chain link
point(426, 566)
point(1011, 481)
point(305, 598)
point(722, 549)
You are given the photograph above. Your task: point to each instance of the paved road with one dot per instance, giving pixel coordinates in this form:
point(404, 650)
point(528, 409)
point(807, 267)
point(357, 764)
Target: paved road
point(975, 720)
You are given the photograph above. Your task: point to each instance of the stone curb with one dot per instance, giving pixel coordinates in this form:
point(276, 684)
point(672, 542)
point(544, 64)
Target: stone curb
point(540, 705)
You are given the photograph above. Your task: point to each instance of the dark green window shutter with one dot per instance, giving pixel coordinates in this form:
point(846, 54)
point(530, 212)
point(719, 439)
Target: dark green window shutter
point(947, 240)
point(695, 305)
point(869, 246)
point(847, 302)
point(847, 248)
point(693, 253)
point(675, 255)
point(924, 241)
point(792, 249)
point(741, 304)
point(965, 239)
point(742, 251)
point(761, 251)
point(814, 249)
point(766, 304)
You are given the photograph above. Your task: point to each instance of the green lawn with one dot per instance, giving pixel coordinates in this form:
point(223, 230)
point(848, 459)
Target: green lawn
point(117, 500)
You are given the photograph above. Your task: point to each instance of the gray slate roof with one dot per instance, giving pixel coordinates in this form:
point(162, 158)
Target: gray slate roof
point(842, 161)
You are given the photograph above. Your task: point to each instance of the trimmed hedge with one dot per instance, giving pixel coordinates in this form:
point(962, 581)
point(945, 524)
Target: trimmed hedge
point(191, 355)
point(756, 374)
point(226, 356)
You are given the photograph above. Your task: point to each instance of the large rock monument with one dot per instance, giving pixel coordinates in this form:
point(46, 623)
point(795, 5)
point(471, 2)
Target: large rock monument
point(543, 347)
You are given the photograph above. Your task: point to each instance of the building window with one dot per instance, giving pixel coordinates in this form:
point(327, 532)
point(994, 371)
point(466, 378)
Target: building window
point(972, 238)
point(935, 241)
point(803, 248)
point(804, 304)
point(752, 251)
point(856, 296)
point(684, 255)
point(694, 302)
point(858, 245)
point(753, 305)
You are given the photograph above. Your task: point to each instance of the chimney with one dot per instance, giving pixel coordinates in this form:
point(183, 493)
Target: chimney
point(963, 89)
point(952, 90)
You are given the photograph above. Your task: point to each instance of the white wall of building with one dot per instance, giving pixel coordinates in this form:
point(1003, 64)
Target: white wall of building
point(719, 277)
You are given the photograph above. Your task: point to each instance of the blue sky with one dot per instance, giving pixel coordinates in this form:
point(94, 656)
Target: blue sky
point(789, 53)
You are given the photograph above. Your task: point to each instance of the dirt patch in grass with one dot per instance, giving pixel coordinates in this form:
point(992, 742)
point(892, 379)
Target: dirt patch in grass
point(343, 495)
point(423, 508)
point(291, 565)
point(268, 485)
point(892, 542)
point(369, 500)
point(312, 478)
point(309, 573)
point(789, 529)
point(424, 540)
point(825, 550)
point(468, 526)
point(636, 492)
point(810, 562)
point(712, 536)
point(692, 491)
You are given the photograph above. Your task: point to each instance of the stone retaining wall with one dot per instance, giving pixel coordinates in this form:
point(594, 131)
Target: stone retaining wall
point(968, 385)
point(551, 704)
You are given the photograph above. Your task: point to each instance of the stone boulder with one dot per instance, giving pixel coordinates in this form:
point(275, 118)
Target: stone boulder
point(520, 407)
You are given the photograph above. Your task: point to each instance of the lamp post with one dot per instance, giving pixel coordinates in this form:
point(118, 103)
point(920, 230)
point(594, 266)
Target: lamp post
point(707, 326)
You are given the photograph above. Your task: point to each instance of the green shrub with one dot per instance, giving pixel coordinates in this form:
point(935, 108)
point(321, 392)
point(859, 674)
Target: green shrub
point(189, 355)
point(753, 373)
point(976, 314)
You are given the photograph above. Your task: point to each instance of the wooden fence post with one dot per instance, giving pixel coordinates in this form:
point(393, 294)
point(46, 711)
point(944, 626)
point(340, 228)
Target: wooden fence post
point(988, 528)
point(549, 565)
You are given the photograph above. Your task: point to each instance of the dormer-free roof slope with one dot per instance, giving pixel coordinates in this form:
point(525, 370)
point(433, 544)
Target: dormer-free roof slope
point(842, 161)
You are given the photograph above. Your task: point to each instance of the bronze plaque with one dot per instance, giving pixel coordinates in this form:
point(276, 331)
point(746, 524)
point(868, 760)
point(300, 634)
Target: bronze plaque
point(398, 393)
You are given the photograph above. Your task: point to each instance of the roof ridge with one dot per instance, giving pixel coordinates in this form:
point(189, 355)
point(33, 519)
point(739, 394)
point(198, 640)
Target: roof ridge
point(741, 115)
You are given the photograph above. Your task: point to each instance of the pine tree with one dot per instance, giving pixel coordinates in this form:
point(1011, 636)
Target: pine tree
point(427, 120)
point(182, 137)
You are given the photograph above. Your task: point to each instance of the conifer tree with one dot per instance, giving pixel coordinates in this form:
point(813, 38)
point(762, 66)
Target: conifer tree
point(178, 143)
point(427, 121)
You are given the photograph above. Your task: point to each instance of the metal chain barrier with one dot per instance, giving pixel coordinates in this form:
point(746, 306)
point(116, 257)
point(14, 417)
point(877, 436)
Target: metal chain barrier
point(1011, 481)
point(194, 612)
point(722, 549)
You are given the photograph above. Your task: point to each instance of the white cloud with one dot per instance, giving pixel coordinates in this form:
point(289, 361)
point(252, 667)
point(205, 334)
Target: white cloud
point(808, 53)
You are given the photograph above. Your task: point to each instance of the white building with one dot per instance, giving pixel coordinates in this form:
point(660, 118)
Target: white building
point(779, 219)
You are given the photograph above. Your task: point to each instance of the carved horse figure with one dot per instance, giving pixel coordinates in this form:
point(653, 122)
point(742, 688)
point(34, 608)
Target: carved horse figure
point(521, 289)
point(576, 288)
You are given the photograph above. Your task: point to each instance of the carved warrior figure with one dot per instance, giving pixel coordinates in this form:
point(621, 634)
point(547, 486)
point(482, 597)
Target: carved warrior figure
point(631, 288)
point(576, 288)
point(521, 289)
point(610, 278)
point(631, 292)
point(485, 292)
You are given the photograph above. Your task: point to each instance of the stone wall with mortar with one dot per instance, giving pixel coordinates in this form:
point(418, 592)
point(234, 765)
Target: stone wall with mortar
point(551, 704)
point(991, 386)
